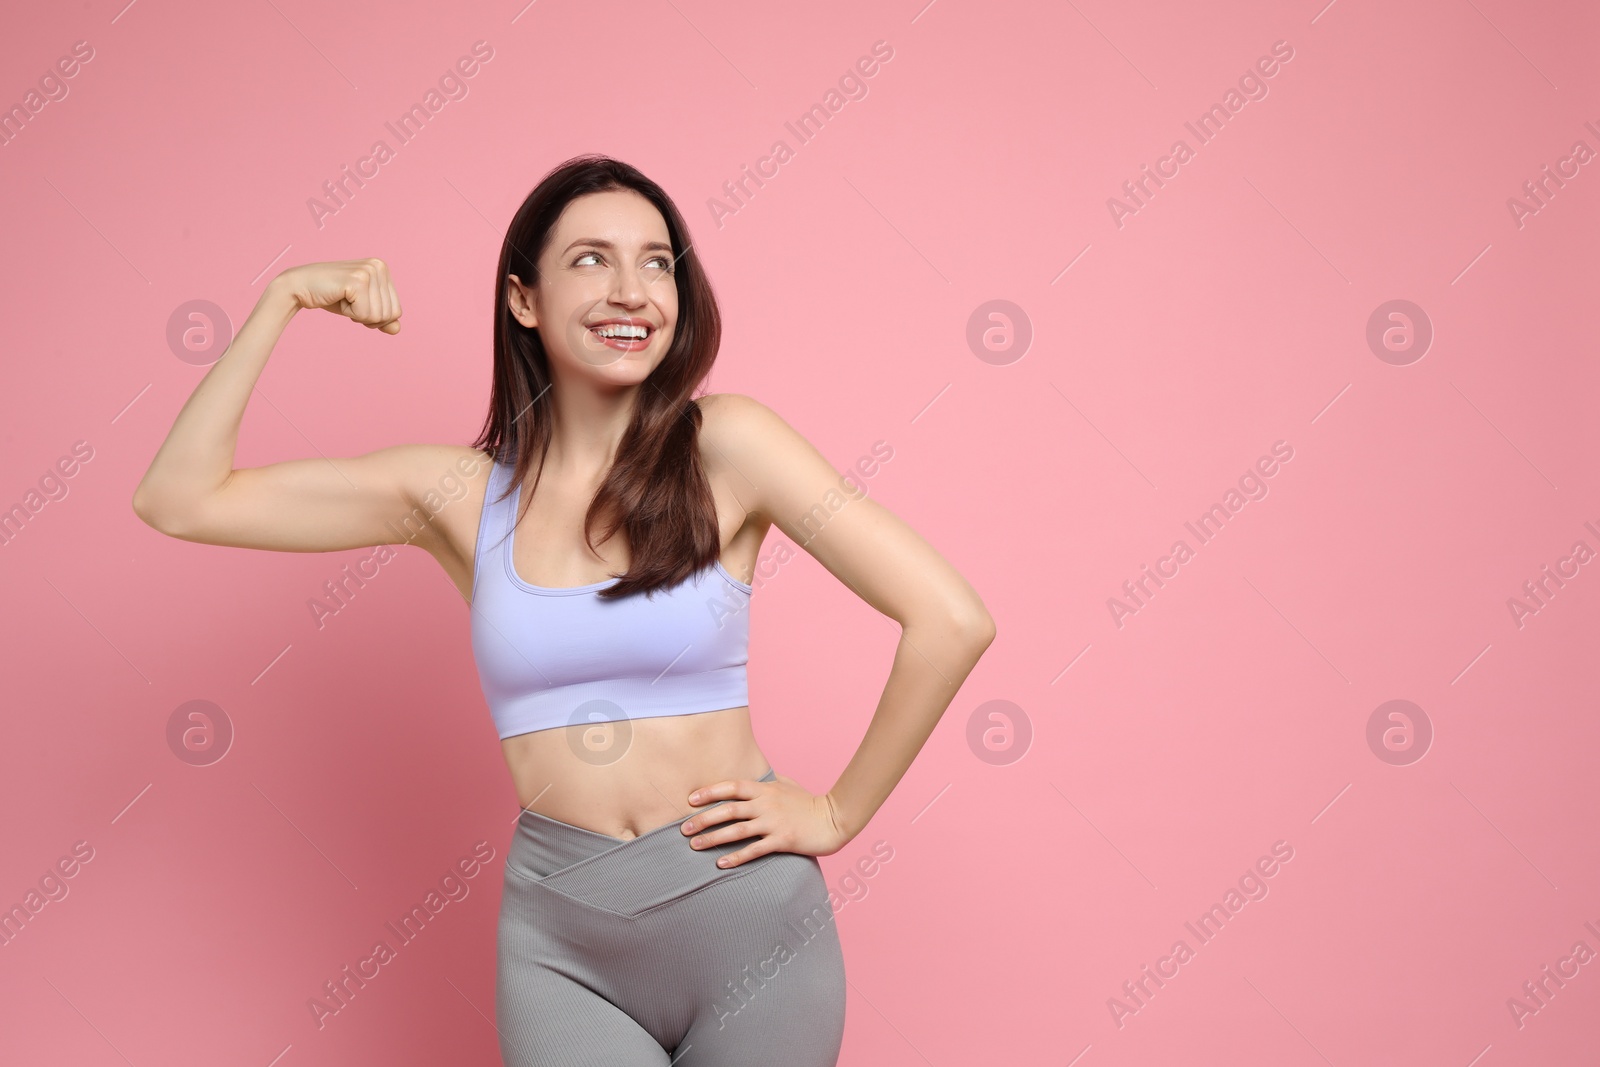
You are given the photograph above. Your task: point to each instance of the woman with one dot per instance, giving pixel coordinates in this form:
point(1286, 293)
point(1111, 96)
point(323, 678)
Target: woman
point(614, 667)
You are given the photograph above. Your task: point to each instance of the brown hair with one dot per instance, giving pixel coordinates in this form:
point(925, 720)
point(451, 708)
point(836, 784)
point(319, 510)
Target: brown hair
point(656, 490)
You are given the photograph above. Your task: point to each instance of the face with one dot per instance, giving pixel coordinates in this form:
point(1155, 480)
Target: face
point(606, 277)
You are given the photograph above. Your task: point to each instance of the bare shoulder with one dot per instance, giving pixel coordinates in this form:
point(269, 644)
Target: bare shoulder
point(443, 487)
point(777, 471)
point(737, 421)
point(734, 429)
point(428, 469)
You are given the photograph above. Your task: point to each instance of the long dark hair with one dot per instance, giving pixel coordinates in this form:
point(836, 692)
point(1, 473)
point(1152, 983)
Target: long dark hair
point(656, 490)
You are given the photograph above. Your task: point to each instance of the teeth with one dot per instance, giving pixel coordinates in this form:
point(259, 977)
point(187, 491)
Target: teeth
point(637, 333)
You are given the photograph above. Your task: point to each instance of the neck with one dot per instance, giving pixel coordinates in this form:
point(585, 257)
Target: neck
point(587, 428)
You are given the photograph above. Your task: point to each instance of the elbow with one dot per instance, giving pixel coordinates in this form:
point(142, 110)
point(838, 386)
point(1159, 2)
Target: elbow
point(153, 514)
point(974, 623)
point(144, 508)
point(141, 506)
point(981, 628)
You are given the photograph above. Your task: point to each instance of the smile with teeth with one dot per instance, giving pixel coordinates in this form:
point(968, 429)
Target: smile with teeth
point(623, 336)
point(620, 330)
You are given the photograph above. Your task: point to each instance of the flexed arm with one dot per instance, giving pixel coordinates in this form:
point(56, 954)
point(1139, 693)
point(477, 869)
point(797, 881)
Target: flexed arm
point(191, 489)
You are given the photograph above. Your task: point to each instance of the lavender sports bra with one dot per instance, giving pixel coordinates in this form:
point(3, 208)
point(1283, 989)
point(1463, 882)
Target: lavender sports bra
point(559, 657)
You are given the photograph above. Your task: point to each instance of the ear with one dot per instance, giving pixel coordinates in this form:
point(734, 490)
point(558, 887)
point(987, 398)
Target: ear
point(519, 298)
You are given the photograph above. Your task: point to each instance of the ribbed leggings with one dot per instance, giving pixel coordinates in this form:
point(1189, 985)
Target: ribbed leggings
point(616, 953)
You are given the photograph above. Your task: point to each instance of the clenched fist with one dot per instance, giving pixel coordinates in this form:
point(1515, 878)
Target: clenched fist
point(359, 289)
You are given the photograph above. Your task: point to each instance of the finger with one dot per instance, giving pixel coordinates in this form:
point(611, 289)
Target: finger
point(744, 855)
point(354, 303)
point(392, 303)
point(719, 814)
point(736, 831)
point(375, 284)
point(384, 292)
point(376, 281)
point(727, 789)
point(386, 322)
point(719, 791)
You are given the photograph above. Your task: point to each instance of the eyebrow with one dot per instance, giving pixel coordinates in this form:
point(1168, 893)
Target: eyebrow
point(650, 246)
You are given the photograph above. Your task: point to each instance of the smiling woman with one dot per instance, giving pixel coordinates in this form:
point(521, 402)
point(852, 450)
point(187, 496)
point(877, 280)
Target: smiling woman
point(658, 852)
point(621, 333)
point(583, 264)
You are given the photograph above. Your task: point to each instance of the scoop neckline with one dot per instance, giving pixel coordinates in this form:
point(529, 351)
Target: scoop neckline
point(572, 590)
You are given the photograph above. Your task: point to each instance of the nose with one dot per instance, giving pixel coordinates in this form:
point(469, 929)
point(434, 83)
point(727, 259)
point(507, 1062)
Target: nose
point(627, 287)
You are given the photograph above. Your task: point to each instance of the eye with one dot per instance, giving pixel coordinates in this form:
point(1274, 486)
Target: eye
point(584, 256)
point(666, 263)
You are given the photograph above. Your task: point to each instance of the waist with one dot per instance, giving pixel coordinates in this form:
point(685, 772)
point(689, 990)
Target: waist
point(625, 778)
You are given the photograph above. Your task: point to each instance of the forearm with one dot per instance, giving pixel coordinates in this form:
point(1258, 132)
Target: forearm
point(930, 664)
point(197, 456)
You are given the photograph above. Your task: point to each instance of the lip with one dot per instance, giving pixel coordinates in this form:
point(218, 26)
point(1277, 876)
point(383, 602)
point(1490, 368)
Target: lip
point(623, 344)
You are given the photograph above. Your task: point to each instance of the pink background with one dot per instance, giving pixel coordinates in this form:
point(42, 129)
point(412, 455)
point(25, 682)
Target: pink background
point(1142, 768)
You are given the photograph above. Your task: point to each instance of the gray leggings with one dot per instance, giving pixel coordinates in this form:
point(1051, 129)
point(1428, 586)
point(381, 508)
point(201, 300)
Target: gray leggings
point(616, 953)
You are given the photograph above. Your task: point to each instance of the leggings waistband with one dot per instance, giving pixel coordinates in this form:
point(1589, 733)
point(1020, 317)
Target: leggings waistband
point(622, 875)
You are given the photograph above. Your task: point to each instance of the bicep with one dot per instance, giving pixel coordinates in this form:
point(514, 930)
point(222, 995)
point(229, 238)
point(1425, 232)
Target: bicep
point(858, 540)
point(324, 504)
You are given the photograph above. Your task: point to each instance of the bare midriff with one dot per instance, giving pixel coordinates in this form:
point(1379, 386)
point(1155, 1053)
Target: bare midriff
point(626, 778)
